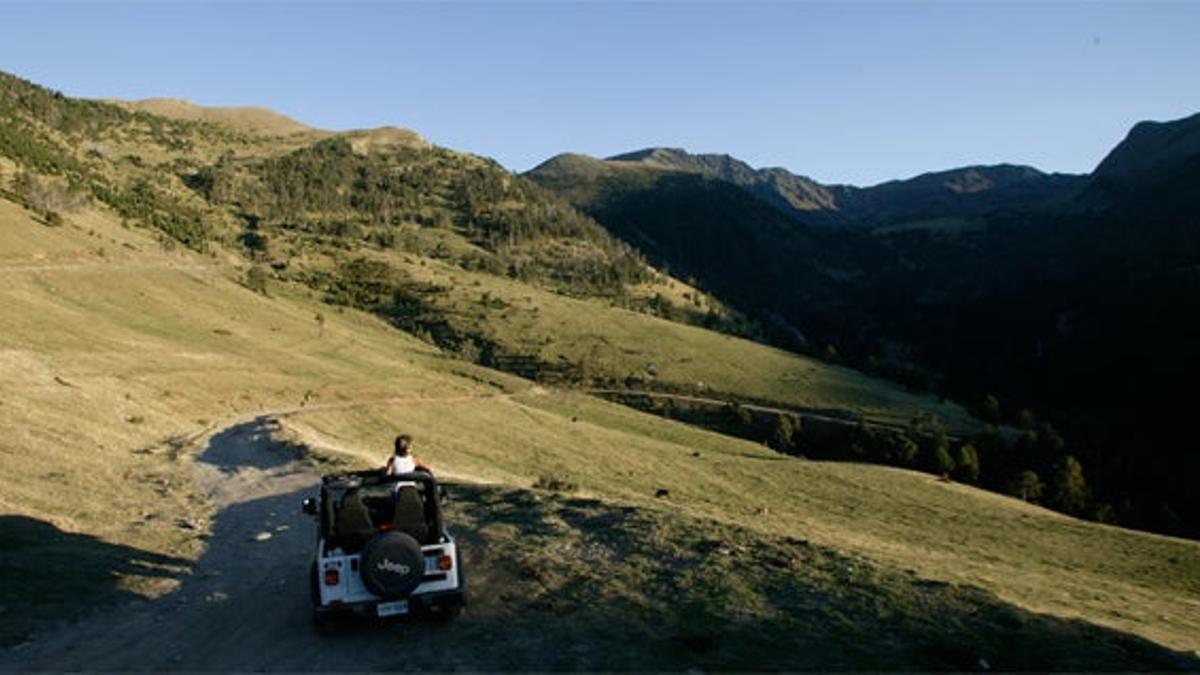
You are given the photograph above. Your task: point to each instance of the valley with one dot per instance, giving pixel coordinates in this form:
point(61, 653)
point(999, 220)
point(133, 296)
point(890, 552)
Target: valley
point(1062, 305)
point(195, 336)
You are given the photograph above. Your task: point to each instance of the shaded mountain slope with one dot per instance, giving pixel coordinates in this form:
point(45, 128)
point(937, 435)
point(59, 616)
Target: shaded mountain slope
point(1156, 168)
point(966, 192)
point(788, 192)
point(719, 235)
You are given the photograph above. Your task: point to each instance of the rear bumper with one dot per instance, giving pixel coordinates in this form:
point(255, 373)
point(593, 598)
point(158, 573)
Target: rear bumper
point(417, 603)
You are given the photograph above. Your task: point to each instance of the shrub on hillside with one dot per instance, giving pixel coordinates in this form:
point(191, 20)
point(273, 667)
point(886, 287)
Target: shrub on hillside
point(738, 414)
point(967, 467)
point(1068, 488)
point(784, 432)
point(256, 280)
point(989, 410)
point(363, 283)
point(1026, 485)
point(47, 196)
point(942, 463)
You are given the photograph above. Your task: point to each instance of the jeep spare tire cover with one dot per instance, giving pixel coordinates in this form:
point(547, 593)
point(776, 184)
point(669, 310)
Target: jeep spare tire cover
point(392, 565)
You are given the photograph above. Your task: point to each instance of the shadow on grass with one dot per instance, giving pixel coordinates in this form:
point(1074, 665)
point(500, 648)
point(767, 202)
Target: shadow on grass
point(50, 574)
point(561, 582)
point(580, 584)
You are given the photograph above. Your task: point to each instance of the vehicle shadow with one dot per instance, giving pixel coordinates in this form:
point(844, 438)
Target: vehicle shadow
point(255, 444)
point(49, 574)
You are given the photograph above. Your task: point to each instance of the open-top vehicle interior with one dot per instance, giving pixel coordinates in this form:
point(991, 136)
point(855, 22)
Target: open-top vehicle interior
point(357, 506)
point(382, 548)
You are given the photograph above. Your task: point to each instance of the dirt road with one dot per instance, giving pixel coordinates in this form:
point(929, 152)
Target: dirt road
point(245, 604)
point(243, 594)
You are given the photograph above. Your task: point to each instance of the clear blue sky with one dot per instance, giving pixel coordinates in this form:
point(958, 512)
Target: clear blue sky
point(850, 92)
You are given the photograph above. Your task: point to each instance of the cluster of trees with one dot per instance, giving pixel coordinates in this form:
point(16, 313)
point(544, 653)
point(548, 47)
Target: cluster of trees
point(1035, 465)
point(84, 118)
point(342, 198)
point(37, 128)
point(154, 207)
point(374, 286)
point(696, 314)
point(51, 108)
point(19, 143)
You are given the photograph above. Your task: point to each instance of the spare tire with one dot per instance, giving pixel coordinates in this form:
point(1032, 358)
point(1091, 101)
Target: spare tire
point(392, 565)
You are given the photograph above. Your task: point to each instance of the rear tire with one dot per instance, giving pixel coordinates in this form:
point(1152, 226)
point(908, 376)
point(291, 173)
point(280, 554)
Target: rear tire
point(447, 613)
point(323, 623)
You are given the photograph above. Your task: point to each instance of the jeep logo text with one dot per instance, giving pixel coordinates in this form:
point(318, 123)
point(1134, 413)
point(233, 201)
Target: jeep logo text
point(387, 565)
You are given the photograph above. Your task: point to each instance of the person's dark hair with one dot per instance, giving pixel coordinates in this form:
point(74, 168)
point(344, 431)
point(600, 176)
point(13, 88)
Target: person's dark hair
point(403, 443)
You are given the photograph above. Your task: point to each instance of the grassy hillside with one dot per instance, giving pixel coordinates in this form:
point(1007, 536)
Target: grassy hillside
point(115, 360)
point(443, 244)
point(116, 353)
point(603, 344)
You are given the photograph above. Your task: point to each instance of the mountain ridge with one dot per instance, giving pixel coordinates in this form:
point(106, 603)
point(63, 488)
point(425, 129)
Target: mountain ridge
point(1156, 166)
point(256, 119)
point(961, 191)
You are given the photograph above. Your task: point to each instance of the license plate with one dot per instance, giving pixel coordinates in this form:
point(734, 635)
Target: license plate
point(392, 608)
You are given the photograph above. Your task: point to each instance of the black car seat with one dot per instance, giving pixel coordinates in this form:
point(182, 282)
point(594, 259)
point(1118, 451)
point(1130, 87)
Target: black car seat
point(410, 514)
point(354, 525)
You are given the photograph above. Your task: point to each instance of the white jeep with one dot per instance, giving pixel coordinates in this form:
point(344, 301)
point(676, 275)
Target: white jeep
point(382, 549)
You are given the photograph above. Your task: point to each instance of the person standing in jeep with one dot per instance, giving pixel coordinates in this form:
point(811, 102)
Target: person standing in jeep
point(403, 461)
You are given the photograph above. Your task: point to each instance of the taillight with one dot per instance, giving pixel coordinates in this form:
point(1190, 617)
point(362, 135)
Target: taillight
point(445, 562)
point(331, 577)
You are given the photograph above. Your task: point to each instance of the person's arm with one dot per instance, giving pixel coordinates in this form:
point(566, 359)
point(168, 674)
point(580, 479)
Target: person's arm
point(421, 466)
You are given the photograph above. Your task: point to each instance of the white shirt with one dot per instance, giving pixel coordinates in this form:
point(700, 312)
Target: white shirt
point(397, 465)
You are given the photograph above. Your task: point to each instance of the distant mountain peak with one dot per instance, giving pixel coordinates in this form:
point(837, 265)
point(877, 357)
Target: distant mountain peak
point(651, 155)
point(1156, 166)
point(783, 189)
point(965, 192)
point(1152, 146)
point(244, 118)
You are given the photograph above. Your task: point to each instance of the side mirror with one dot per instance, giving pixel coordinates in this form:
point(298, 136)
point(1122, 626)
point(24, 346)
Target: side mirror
point(309, 506)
